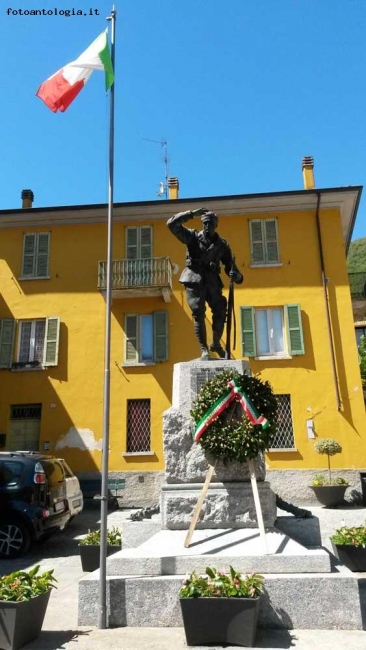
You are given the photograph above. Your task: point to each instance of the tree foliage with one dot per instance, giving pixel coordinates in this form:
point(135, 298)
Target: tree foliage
point(356, 258)
point(362, 357)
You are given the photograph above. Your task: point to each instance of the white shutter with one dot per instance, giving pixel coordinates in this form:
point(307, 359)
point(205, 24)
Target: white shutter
point(29, 252)
point(256, 241)
point(248, 332)
point(51, 341)
point(161, 336)
point(42, 254)
point(295, 334)
point(145, 242)
point(131, 243)
point(271, 240)
point(7, 332)
point(131, 339)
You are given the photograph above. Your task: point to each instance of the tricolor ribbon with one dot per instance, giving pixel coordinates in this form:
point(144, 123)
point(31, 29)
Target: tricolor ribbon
point(234, 392)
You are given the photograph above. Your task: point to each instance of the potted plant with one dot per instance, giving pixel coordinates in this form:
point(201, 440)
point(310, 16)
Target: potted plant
point(24, 598)
point(329, 491)
point(349, 546)
point(220, 608)
point(90, 547)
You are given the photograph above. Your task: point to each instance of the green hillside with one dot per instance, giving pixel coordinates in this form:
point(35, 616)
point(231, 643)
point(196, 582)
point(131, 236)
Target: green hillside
point(356, 258)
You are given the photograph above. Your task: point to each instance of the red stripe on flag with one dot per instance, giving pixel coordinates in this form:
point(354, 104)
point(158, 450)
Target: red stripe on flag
point(57, 93)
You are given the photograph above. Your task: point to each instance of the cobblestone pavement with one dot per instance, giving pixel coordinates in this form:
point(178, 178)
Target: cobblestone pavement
point(61, 632)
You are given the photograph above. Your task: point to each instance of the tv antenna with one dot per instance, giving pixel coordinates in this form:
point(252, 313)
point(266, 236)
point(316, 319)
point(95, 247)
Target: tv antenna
point(163, 185)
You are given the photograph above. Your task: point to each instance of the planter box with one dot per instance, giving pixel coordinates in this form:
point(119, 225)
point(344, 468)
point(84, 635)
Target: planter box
point(329, 495)
point(231, 621)
point(353, 557)
point(90, 555)
point(21, 622)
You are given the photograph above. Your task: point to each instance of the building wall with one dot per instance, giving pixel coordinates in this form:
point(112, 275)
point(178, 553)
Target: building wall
point(72, 392)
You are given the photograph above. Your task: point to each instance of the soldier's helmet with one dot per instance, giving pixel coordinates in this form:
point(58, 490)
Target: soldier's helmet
point(210, 217)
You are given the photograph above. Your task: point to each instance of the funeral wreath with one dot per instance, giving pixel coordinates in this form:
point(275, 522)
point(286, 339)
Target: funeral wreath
point(239, 414)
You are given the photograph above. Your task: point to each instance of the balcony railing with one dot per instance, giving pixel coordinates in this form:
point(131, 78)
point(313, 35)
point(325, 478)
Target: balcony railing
point(140, 277)
point(357, 282)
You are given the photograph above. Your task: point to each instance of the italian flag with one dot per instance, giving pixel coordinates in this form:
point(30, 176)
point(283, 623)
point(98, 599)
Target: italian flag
point(60, 90)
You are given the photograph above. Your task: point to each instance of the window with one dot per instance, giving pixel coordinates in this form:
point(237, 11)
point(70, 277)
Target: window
point(24, 427)
point(38, 342)
point(272, 332)
point(36, 255)
point(11, 473)
point(138, 242)
point(138, 425)
point(284, 438)
point(146, 338)
point(264, 241)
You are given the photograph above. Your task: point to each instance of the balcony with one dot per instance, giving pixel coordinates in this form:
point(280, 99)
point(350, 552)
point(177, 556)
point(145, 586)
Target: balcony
point(141, 278)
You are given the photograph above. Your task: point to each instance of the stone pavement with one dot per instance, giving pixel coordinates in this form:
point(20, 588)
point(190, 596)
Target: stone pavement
point(61, 632)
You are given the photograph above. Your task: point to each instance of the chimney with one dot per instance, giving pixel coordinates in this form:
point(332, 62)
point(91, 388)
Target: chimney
point(173, 187)
point(27, 198)
point(308, 172)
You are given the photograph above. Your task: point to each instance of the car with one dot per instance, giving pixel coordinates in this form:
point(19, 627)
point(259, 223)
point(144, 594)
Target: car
point(74, 494)
point(33, 500)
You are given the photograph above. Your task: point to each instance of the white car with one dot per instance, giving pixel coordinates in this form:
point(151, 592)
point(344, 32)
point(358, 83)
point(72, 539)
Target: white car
point(73, 493)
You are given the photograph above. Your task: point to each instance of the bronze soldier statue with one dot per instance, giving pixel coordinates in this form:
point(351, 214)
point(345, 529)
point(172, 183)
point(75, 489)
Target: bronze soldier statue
point(201, 277)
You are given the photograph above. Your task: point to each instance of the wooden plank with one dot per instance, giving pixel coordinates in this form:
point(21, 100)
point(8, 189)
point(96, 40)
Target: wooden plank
point(257, 503)
point(198, 508)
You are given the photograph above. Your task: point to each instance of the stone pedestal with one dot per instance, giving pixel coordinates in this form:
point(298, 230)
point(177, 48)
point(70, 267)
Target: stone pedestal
point(229, 501)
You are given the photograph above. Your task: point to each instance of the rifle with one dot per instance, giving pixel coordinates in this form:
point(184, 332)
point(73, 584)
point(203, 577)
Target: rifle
point(230, 316)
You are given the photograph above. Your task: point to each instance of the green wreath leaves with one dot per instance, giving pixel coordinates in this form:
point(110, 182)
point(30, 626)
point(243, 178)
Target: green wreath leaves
point(231, 437)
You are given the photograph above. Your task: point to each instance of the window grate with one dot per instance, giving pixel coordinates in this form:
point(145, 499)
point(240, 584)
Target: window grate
point(138, 425)
point(26, 412)
point(284, 438)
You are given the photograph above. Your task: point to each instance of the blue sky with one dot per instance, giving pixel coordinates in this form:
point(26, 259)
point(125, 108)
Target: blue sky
point(241, 90)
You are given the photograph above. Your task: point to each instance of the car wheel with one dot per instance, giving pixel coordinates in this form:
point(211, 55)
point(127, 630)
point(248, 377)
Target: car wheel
point(14, 538)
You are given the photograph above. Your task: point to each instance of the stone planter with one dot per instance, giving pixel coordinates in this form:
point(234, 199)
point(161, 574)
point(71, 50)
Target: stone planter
point(329, 495)
point(90, 555)
point(353, 557)
point(20, 622)
point(222, 621)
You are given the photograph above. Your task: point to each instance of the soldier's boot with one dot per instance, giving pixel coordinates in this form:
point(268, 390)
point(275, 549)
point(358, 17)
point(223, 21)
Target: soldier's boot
point(218, 323)
point(200, 332)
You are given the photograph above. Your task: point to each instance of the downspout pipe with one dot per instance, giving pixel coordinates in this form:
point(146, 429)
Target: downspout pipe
point(327, 305)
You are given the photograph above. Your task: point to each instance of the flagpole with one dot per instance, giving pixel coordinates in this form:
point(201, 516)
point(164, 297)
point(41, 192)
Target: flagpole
point(107, 355)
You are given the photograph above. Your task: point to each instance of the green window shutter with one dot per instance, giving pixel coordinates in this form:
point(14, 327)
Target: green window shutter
point(295, 338)
point(43, 254)
point(51, 341)
point(7, 333)
point(248, 332)
point(145, 242)
point(29, 252)
point(271, 240)
point(161, 352)
point(131, 243)
point(256, 241)
point(131, 338)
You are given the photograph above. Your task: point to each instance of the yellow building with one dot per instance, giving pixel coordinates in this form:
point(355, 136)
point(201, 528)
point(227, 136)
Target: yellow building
point(293, 313)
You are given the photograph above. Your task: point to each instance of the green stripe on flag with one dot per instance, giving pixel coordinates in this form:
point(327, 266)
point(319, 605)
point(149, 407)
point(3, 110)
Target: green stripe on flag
point(105, 57)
